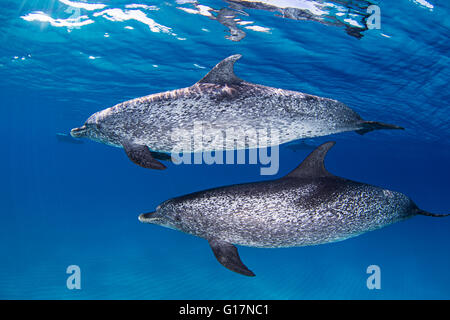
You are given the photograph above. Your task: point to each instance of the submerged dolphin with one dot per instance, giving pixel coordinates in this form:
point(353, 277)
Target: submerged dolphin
point(309, 206)
point(63, 137)
point(299, 145)
point(152, 127)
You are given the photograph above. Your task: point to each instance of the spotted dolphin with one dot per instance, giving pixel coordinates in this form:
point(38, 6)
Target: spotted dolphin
point(154, 126)
point(309, 206)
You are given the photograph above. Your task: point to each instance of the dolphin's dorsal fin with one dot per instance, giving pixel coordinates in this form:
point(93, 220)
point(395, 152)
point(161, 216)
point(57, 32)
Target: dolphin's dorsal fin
point(313, 166)
point(223, 72)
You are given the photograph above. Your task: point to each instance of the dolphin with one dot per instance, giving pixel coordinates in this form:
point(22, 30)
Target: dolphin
point(308, 206)
point(151, 128)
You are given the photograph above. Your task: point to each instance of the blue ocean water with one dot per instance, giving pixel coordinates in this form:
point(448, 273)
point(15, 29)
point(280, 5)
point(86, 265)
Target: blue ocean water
point(77, 204)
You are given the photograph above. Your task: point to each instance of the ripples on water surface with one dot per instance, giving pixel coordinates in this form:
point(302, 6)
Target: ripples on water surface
point(122, 50)
point(77, 204)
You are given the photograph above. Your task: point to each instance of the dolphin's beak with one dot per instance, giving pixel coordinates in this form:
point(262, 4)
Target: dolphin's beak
point(78, 132)
point(148, 217)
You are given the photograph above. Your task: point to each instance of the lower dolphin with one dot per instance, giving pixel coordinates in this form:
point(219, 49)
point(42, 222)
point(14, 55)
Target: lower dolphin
point(309, 206)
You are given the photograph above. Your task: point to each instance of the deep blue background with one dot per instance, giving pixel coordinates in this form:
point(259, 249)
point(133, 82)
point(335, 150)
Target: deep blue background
point(64, 204)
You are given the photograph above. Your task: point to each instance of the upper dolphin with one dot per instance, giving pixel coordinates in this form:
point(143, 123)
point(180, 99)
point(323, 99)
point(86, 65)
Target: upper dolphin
point(152, 127)
point(308, 206)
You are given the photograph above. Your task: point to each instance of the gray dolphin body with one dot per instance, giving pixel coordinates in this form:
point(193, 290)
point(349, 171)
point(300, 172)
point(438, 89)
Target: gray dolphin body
point(309, 206)
point(152, 127)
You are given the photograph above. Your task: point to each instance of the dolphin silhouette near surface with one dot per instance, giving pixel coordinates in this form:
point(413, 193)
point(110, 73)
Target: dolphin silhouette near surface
point(150, 128)
point(309, 206)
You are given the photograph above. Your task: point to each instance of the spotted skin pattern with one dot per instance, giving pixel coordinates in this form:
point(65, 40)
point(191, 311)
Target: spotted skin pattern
point(153, 120)
point(309, 206)
point(225, 105)
point(288, 212)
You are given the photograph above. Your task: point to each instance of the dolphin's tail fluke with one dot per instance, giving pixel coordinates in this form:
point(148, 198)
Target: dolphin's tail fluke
point(425, 213)
point(374, 125)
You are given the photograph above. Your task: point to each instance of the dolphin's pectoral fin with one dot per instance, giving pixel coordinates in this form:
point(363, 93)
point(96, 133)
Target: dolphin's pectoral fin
point(227, 254)
point(161, 156)
point(142, 156)
point(374, 125)
point(313, 166)
point(223, 72)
